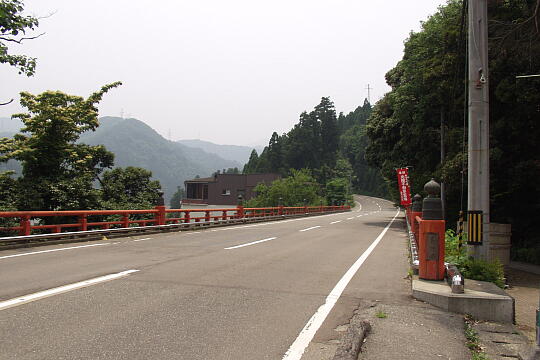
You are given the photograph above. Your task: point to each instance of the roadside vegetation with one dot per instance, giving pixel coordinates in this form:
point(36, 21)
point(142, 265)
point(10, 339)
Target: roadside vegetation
point(469, 267)
point(472, 340)
point(428, 85)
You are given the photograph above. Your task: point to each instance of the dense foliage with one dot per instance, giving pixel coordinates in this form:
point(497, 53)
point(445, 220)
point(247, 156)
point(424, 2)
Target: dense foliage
point(129, 188)
point(58, 173)
point(299, 189)
point(325, 144)
point(13, 28)
point(429, 82)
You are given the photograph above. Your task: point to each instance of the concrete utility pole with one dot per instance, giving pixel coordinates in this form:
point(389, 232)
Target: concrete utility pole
point(478, 166)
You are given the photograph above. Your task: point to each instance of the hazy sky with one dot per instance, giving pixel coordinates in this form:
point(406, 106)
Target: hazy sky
point(230, 72)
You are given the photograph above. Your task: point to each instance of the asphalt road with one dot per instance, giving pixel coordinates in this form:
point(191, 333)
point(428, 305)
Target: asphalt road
point(238, 292)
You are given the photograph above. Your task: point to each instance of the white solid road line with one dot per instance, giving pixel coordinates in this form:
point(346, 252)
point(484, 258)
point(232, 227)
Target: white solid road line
point(51, 250)
point(335, 222)
point(310, 228)
point(308, 332)
point(62, 289)
point(143, 239)
point(251, 243)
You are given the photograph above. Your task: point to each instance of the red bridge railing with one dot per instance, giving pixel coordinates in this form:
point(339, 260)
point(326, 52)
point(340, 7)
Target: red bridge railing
point(83, 220)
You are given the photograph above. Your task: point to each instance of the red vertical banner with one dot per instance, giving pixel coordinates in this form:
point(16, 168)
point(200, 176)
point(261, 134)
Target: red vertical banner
point(404, 187)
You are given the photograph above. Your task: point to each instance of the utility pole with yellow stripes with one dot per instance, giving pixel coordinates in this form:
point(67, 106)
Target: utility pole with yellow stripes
point(478, 152)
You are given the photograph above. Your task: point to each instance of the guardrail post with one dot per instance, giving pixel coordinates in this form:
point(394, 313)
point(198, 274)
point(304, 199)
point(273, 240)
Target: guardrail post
point(160, 214)
point(240, 207)
point(83, 222)
point(207, 216)
point(431, 241)
point(187, 217)
point(125, 220)
point(26, 227)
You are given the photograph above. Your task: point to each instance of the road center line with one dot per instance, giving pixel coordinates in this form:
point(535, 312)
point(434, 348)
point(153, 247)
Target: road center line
point(62, 289)
point(251, 243)
point(308, 332)
point(310, 228)
point(51, 250)
point(335, 222)
point(143, 239)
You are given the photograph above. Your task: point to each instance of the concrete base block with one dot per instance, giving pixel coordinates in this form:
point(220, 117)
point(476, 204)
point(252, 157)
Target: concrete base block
point(482, 300)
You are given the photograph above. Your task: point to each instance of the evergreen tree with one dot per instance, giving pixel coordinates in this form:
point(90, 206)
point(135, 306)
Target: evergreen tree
point(326, 114)
point(251, 166)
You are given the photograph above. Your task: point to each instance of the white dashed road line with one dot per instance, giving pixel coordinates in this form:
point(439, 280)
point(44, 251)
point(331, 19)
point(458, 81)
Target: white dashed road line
point(335, 222)
point(251, 243)
point(310, 228)
point(62, 289)
point(143, 239)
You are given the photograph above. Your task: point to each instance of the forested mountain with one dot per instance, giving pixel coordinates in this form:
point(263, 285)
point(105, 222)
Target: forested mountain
point(229, 152)
point(428, 84)
point(330, 146)
point(136, 144)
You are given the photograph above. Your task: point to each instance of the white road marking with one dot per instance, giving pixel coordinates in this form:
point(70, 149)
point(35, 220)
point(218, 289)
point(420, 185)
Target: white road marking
point(272, 223)
point(143, 239)
point(62, 289)
point(306, 335)
point(310, 228)
point(335, 222)
point(359, 216)
point(251, 243)
point(51, 250)
point(350, 218)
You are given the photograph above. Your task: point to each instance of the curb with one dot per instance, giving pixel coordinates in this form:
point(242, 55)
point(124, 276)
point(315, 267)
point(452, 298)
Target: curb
point(351, 342)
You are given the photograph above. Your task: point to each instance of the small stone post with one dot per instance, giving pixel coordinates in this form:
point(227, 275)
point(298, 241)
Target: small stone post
point(240, 207)
point(431, 239)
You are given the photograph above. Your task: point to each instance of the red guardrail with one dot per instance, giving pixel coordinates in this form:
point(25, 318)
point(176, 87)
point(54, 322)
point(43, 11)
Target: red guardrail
point(83, 220)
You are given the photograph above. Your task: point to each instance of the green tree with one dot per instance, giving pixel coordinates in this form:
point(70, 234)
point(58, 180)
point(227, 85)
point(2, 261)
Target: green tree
point(57, 172)
point(325, 113)
point(295, 190)
point(13, 29)
point(129, 188)
point(177, 197)
point(404, 126)
point(251, 165)
point(275, 155)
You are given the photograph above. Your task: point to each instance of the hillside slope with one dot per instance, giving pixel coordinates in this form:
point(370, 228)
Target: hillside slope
point(136, 144)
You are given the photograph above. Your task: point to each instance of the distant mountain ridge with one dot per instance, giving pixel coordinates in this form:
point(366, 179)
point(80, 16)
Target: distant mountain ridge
point(230, 152)
point(136, 144)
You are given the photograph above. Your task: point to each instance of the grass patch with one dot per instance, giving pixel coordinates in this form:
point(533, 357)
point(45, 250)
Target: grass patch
point(472, 340)
point(381, 314)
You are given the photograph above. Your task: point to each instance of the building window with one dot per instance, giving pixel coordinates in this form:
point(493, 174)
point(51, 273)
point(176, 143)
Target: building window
point(226, 192)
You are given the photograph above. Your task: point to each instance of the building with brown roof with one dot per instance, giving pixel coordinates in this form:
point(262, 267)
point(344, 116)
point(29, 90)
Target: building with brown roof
point(223, 189)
